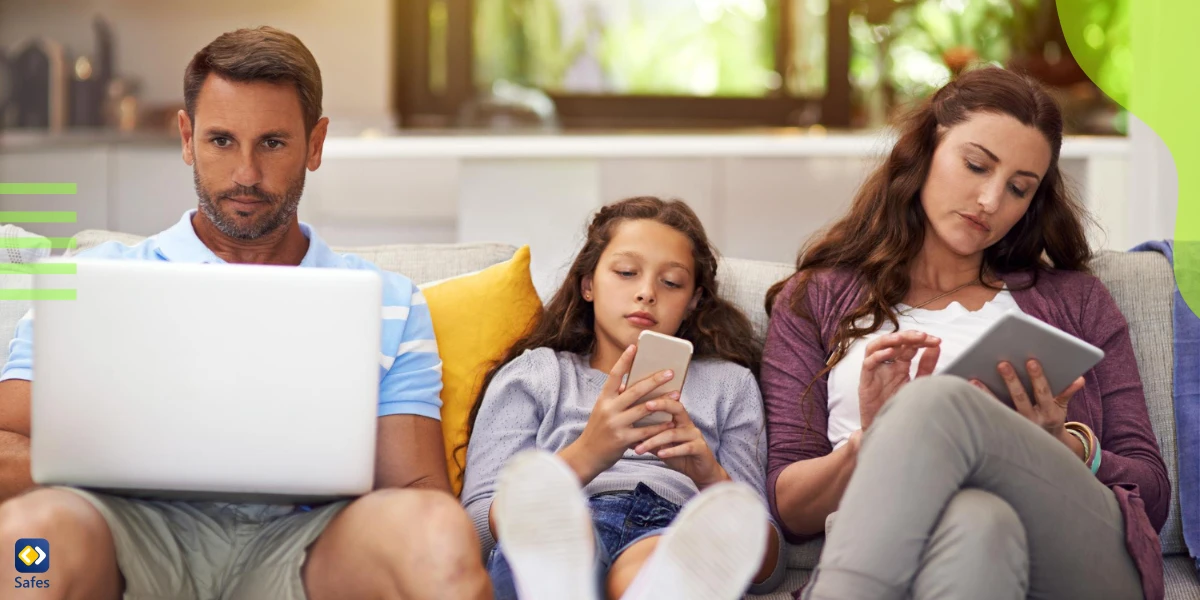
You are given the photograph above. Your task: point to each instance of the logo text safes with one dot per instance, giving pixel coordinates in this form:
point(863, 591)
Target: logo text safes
point(31, 555)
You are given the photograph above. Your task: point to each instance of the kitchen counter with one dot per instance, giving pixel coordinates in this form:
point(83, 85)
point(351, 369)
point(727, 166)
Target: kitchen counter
point(34, 141)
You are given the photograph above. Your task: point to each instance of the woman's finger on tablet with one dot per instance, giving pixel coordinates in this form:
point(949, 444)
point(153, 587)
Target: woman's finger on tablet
point(1037, 379)
point(1071, 390)
point(928, 361)
point(1016, 390)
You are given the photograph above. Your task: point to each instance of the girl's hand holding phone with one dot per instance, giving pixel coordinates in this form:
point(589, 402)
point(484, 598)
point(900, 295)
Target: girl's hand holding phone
point(609, 430)
point(683, 447)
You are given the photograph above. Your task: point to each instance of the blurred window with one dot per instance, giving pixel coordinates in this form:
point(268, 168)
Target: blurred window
point(701, 63)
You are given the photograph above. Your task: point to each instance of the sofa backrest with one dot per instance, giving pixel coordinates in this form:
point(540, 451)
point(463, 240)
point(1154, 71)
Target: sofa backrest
point(422, 263)
point(1141, 283)
point(745, 283)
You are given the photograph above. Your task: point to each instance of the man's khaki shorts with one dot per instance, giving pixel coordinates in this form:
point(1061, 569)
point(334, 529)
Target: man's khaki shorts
point(203, 550)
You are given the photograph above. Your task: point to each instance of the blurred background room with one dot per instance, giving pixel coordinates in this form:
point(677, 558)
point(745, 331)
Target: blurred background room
point(512, 120)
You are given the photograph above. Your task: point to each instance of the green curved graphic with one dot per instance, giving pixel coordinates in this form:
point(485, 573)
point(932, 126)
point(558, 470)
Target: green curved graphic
point(1142, 54)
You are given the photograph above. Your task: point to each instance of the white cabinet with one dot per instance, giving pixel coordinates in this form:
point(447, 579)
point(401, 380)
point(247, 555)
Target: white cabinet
point(151, 189)
point(88, 168)
point(368, 200)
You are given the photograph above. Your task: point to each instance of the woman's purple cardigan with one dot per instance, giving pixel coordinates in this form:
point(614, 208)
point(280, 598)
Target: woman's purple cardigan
point(1112, 402)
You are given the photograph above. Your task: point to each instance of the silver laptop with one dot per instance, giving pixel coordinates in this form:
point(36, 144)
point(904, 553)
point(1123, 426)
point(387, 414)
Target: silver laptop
point(223, 382)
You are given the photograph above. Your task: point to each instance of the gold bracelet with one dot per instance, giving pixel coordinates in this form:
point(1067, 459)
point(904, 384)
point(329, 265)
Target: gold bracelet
point(1090, 445)
point(1083, 443)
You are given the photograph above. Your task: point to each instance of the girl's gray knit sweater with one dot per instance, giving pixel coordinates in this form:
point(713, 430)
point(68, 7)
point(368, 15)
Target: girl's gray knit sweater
point(542, 400)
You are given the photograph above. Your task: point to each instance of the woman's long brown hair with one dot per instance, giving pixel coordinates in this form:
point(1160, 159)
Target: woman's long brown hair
point(885, 228)
point(716, 329)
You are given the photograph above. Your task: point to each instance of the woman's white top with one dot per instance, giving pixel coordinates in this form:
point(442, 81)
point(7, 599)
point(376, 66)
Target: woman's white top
point(955, 325)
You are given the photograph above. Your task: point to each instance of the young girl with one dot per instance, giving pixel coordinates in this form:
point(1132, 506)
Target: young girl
point(678, 507)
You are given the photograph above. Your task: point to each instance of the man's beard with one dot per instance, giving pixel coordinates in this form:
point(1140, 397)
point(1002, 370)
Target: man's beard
point(282, 208)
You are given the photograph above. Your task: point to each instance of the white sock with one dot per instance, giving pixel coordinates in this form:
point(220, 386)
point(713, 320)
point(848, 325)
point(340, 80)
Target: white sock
point(711, 551)
point(545, 529)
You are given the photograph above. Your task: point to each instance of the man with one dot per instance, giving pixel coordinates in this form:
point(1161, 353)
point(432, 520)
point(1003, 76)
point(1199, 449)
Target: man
point(251, 127)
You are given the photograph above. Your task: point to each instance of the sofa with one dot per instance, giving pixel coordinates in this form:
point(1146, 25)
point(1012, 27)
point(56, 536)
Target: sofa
point(1141, 283)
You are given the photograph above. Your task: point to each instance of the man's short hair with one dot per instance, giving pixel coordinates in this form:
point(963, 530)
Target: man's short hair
point(262, 54)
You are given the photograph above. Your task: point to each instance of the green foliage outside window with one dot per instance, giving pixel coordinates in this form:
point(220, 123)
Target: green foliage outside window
point(901, 50)
point(663, 47)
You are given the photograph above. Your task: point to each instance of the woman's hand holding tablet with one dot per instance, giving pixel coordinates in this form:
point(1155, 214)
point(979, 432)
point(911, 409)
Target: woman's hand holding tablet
point(1016, 339)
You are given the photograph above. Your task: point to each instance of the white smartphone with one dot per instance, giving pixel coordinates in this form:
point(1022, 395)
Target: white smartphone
point(1016, 338)
point(658, 352)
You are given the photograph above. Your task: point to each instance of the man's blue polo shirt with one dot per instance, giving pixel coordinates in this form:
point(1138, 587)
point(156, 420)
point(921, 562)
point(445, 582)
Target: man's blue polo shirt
point(410, 370)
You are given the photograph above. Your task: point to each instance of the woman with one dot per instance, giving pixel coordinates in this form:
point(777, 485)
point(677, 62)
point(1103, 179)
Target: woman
point(940, 489)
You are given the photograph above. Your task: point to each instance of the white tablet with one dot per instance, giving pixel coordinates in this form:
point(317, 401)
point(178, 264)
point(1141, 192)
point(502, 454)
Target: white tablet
point(1016, 338)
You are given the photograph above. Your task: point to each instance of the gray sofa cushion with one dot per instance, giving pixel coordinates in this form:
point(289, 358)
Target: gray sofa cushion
point(1179, 578)
point(90, 238)
point(424, 263)
point(1143, 285)
point(745, 283)
point(421, 263)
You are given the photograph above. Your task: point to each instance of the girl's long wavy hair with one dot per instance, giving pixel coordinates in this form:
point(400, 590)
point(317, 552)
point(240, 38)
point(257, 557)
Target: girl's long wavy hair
point(884, 230)
point(716, 328)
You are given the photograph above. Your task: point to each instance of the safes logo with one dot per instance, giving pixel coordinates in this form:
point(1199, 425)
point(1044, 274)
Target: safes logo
point(31, 555)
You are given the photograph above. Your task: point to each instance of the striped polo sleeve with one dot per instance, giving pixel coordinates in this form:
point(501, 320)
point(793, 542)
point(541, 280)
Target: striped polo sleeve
point(20, 351)
point(411, 381)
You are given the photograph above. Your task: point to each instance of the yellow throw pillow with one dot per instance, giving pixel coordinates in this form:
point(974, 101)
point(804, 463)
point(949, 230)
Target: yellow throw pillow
point(476, 318)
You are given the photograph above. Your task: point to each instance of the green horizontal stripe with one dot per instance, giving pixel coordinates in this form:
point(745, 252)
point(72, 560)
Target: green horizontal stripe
point(38, 269)
point(29, 295)
point(37, 242)
point(37, 188)
point(37, 216)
